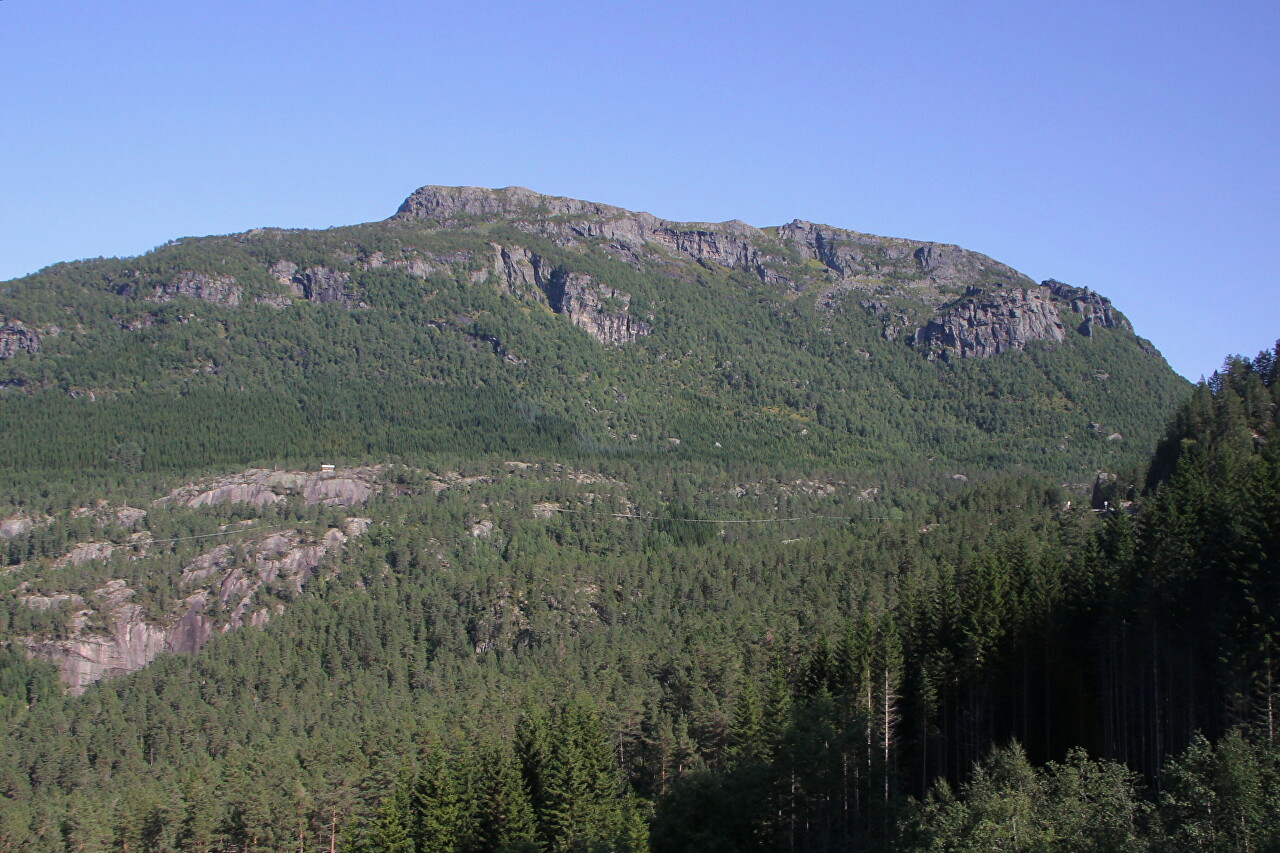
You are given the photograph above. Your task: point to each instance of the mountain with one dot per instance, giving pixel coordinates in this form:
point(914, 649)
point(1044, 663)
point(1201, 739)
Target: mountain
point(475, 324)
point(299, 528)
point(504, 321)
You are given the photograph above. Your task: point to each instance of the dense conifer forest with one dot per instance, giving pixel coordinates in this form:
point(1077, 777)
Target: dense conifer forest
point(768, 577)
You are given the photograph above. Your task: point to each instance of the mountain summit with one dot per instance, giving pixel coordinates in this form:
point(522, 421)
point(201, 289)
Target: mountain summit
point(980, 306)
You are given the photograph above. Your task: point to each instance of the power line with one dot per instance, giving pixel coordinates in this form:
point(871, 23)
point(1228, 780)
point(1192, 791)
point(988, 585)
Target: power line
point(724, 520)
point(244, 529)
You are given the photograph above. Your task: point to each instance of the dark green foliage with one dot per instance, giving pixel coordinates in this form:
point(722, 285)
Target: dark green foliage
point(23, 681)
point(474, 797)
point(605, 670)
point(506, 816)
point(391, 830)
point(681, 527)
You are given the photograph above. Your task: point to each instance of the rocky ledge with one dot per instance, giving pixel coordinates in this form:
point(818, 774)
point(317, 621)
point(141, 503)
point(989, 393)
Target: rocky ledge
point(845, 260)
point(218, 289)
point(904, 282)
point(984, 323)
point(316, 284)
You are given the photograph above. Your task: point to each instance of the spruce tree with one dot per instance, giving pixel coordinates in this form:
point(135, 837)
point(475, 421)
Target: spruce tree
point(505, 817)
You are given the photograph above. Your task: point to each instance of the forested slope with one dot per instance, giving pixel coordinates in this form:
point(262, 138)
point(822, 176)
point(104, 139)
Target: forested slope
point(639, 533)
point(528, 330)
point(577, 677)
point(1140, 643)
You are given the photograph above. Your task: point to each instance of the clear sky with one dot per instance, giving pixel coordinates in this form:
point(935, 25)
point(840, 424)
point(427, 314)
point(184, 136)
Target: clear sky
point(1130, 147)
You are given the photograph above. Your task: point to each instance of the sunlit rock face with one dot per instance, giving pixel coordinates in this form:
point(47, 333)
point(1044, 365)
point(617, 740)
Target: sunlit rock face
point(988, 322)
point(16, 338)
point(225, 588)
point(219, 289)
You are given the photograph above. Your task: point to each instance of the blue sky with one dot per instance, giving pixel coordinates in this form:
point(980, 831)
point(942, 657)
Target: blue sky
point(1133, 148)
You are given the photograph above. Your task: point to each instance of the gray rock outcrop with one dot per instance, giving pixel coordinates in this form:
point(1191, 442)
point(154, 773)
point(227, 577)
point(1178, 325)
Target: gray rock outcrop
point(921, 269)
point(522, 272)
point(846, 259)
point(318, 284)
point(262, 486)
point(16, 338)
point(414, 263)
point(571, 221)
point(598, 309)
point(453, 204)
point(985, 322)
point(219, 289)
point(1088, 310)
point(15, 526)
point(223, 594)
point(84, 552)
point(946, 301)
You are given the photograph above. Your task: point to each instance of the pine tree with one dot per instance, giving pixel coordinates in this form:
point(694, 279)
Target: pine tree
point(888, 668)
point(203, 814)
point(533, 753)
point(634, 834)
point(777, 710)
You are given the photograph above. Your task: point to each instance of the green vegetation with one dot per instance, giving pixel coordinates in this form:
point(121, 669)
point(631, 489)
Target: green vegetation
point(792, 628)
point(139, 386)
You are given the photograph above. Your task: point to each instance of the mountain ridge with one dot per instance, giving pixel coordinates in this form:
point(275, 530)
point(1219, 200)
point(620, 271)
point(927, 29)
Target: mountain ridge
point(483, 294)
point(971, 298)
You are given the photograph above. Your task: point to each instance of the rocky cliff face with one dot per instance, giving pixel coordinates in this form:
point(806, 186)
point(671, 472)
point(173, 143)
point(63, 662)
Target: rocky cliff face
point(317, 284)
point(522, 272)
point(244, 580)
point(412, 262)
point(1000, 310)
point(227, 587)
point(16, 338)
point(984, 323)
point(570, 222)
point(924, 270)
point(847, 259)
point(223, 589)
point(1088, 310)
point(453, 205)
point(219, 289)
point(598, 309)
